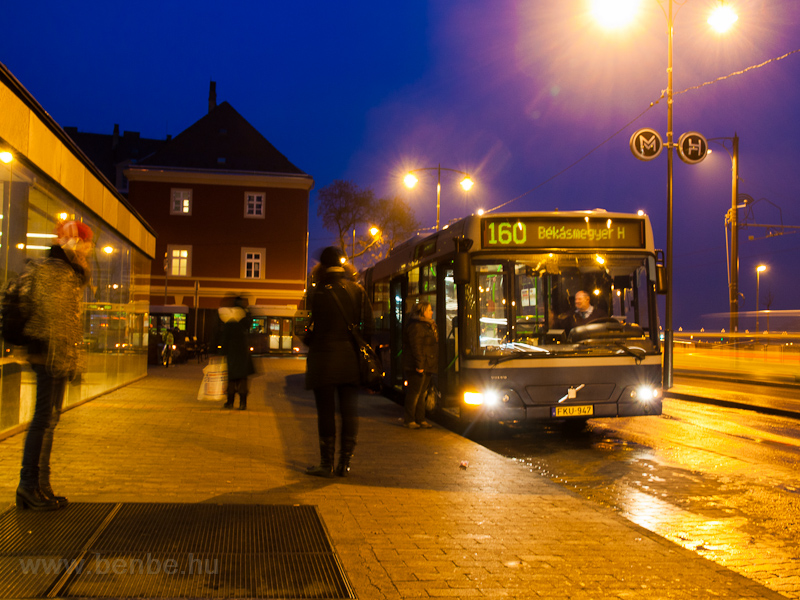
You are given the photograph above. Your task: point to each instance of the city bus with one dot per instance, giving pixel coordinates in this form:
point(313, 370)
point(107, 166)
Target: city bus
point(503, 290)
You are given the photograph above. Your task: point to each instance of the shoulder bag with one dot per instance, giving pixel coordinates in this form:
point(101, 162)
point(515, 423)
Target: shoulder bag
point(369, 365)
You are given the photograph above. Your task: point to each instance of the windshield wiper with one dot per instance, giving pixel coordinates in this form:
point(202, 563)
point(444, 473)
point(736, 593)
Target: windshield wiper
point(518, 354)
point(637, 353)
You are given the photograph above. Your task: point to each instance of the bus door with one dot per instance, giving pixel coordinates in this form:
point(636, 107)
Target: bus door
point(280, 334)
point(397, 291)
point(447, 323)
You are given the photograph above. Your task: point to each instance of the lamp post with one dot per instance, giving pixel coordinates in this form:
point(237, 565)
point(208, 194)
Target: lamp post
point(466, 183)
point(733, 218)
point(759, 269)
point(721, 19)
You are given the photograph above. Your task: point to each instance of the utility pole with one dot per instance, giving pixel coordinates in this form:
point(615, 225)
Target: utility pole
point(735, 237)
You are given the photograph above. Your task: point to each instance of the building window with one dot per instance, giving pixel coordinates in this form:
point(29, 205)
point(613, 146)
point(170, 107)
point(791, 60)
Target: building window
point(179, 259)
point(254, 205)
point(253, 262)
point(181, 203)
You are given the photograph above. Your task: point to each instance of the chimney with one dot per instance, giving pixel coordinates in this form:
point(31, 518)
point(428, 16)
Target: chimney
point(115, 137)
point(212, 96)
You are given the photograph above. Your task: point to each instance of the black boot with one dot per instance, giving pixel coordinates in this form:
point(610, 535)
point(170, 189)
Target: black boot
point(229, 403)
point(33, 499)
point(242, 402)
point(47, 492)
point(327, 450)
point(345, 454)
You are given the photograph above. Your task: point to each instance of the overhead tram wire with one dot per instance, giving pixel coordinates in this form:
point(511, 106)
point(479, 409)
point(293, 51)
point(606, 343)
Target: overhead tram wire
point(742, 72)
point(652, 104)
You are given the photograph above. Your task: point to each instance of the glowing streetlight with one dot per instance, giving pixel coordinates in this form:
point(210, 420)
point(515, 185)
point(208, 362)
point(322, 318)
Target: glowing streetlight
point(374, 232)
point(614, 14)
point(625, 7)
point(759, 270)
point(411, 180)
point(722, 18)
point(6, 156)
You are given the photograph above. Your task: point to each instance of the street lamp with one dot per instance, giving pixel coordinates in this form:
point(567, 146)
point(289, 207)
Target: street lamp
point(626, 8)
point(373, 231)
point(466, 183)
point(759, 269)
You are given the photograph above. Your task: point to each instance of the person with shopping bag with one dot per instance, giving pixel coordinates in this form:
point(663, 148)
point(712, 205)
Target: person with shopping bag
point(232, 344)
point(332, 367)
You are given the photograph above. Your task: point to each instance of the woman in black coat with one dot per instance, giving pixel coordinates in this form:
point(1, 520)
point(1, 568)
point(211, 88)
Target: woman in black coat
point(332, 364)
point(232, 344)
point(421, 361)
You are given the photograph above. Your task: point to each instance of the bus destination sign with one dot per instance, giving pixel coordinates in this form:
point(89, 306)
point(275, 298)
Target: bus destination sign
point(561, 232)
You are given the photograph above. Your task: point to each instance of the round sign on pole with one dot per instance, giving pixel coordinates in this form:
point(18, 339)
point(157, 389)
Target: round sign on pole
point(646, 144)
point(692, 147)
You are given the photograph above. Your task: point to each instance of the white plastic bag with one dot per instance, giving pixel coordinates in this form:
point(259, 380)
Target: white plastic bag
point(215, 380)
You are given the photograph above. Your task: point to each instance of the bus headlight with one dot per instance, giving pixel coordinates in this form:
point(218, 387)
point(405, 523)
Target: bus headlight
point(473, 398)
point(646, 393)
point(487, 398)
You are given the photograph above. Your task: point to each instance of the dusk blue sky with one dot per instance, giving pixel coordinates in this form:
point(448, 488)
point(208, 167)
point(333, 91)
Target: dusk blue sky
point(515, 92)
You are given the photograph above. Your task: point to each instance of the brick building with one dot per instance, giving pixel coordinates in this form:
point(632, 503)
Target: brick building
point(231, 217)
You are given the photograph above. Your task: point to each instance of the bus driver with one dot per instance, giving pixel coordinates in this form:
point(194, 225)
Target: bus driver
point(584, 311)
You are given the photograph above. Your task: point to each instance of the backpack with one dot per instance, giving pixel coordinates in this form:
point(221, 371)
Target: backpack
point(14, 313)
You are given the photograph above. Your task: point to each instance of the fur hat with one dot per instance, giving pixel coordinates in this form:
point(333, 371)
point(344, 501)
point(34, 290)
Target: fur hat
point(332, 257)
point(73, 229)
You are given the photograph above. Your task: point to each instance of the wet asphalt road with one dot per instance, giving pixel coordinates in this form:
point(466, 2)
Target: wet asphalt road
point(720, 481)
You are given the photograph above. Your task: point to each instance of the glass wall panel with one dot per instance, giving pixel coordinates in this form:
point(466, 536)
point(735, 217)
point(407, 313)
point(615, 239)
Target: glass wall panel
point(115, 302)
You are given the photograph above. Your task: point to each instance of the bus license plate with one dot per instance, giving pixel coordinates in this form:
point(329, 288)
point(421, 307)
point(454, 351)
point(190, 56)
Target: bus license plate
point(573, 411)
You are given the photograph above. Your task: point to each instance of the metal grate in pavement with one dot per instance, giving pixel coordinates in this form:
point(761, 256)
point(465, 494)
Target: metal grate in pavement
point(36, 548)
point(169, 551)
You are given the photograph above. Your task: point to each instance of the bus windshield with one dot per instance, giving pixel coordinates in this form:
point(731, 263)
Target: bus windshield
point(556, 304)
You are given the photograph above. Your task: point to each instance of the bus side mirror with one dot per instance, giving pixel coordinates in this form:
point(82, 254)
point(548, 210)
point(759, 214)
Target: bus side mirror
point(659, 270)
point(661, 279)
point(461, 270)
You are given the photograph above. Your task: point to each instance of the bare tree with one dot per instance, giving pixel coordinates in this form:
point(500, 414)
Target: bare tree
point(342, 207)
point(351, 211)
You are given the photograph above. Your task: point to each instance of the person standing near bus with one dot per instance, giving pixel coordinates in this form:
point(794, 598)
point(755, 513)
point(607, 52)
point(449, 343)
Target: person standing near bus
point(332, 368)
point(421, 361)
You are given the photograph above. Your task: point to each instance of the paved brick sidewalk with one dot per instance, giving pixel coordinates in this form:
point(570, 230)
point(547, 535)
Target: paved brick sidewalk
point(408, 523)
